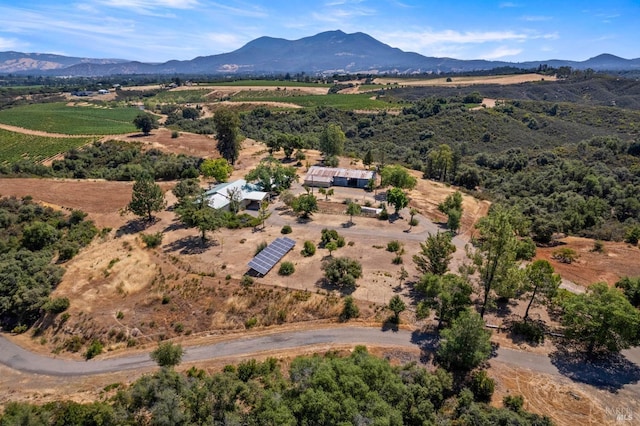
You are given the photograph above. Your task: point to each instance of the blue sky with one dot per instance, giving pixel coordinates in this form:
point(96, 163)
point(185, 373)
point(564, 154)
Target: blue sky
point(160, 30)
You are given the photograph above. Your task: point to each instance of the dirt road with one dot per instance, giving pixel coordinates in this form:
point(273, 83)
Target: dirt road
point(18, 358)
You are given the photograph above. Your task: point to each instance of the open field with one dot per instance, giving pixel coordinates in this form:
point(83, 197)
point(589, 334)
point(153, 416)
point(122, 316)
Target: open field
point(340, 101)
point(273, 83)
point(16, 146)
point(466, 81)
point(71, 119)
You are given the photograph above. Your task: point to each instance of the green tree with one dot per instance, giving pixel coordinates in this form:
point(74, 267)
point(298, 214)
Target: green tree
point(435, 254)
point(440, 161)
point(397, 198)
point(396, 305)
point(305, 205)
point(540, 279)
point(368, 158)
point(412, 220)
point(326, 192)
point(496, 254)
point(196, 213)
point(602, 319)
point(453, 201)
point(631, 289)
point(186, 188)
point(167, 354)
point(227, 126)
point(353, 209)
point(145, 122)
point(218, 168)
point(447, 294)
point(349, 309)
point(465, 344)
point(453, 220)
point(332, 140)
point(263, 212)
point(398, 176)
point(147, 197)
point(272, 176)
point(331, 246)
point(342, 272)
point(39, 235)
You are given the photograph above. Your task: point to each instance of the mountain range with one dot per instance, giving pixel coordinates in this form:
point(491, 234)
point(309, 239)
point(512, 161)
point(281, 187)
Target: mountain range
point(324, 53)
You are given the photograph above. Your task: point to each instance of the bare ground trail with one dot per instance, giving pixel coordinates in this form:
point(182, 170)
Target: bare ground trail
point(31, 132)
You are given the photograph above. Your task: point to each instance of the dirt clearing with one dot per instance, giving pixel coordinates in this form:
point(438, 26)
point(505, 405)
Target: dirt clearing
point(467, 81)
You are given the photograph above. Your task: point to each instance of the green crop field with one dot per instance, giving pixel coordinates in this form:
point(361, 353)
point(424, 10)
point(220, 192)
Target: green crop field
point(19, 146)
point(269, 83)
point(71, 120)
point(340, 101)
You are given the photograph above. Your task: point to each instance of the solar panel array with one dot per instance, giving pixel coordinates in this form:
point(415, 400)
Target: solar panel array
point(270, 255)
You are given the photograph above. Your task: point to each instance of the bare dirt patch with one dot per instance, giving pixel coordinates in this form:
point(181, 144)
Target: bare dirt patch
point(186, 143)
point(468, 81)
point(618, 260)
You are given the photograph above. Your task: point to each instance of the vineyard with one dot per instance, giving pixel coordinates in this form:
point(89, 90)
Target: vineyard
point(72, 120)
point(19, 146)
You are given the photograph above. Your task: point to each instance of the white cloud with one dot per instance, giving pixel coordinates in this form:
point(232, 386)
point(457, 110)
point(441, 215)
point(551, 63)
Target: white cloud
point(9, 44)
point(536, 18)
point(413, 40)
point(152, 4)
point(501, 52)
point(508, 4)
point(223, 42)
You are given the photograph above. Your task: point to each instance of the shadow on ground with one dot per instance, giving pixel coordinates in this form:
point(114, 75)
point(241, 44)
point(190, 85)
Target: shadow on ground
point(190, 245)
point(610, 373)
point(134, 226)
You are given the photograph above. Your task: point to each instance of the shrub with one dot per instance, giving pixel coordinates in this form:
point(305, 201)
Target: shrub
point(165, 299)
point(633, 235)
point(94, 349)
point(260, 247)
point(482, 386)
point(531, 331)
point(19, 329)
point(175, 134)
point(414, 221)
point(393, 246)
point(246, 281)
point(526, 249)
point(57, 305)
point(286, 268)
point(67, 250)
point(286, 229)
point(309, 249)
point(178, 327)
point(349, 310)
point(513, 402)
point(564, 255)
point(251, 322)
point(120, 315)
point(384, 214)
point(598, 247)
point(152, 240)
point(397, 260)
point(332, 161)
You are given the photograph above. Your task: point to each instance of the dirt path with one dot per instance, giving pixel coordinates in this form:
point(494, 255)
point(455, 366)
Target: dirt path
point(31, 132)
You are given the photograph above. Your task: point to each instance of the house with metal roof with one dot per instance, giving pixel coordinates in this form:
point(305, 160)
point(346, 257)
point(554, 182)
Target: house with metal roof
point(325, 177)
point(246, 194)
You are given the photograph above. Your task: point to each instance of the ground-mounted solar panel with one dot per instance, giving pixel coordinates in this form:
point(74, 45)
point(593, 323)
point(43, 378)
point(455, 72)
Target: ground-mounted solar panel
point(264, 261)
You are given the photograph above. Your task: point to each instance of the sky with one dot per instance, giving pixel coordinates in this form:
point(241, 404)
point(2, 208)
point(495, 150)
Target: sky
point(161, 30)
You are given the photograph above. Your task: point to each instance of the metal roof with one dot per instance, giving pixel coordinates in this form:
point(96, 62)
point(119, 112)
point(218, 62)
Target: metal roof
point(320, 174)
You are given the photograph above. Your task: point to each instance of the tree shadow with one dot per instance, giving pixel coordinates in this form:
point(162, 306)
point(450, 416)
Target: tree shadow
point(428, 344)
point(190, 245)
point(303, 220)
point(175, 226)
point(390, 324)
point(503, 308)
point(610, 373)
point(135, 225)
point(325, 284)
point(347, 224)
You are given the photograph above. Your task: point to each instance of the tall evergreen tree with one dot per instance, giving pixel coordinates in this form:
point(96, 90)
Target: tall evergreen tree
point(228, 134)
point(147, 197)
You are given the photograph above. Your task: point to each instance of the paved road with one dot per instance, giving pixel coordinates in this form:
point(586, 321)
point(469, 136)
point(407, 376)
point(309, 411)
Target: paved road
point(20, 359)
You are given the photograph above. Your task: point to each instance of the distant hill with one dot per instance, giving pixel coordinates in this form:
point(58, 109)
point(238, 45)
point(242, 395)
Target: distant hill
point(325, 53)
point(18, 62)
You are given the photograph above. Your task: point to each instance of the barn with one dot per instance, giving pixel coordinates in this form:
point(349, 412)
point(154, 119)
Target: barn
point(324, 177)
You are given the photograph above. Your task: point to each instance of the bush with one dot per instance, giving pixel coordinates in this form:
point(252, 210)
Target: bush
point(598, 247)
point(67, 250)
point(175, 134)
point(397, 260)
point(165, 299)
point(349, 310)
point(414, 221)
point(152, 240)
point(57, 305)
point(246, 281)
point(393, 246)
point(384, 214)
point(526, 249)
point(260, 247)
point(309, 249)
point(564, 255)
point(94, 349)
point(531, 331)
point(332, 161)
point(513, 402)
point(286, 229)
point(633, 235)
point(251, 322)
point(482, 386)
point(286, 268)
